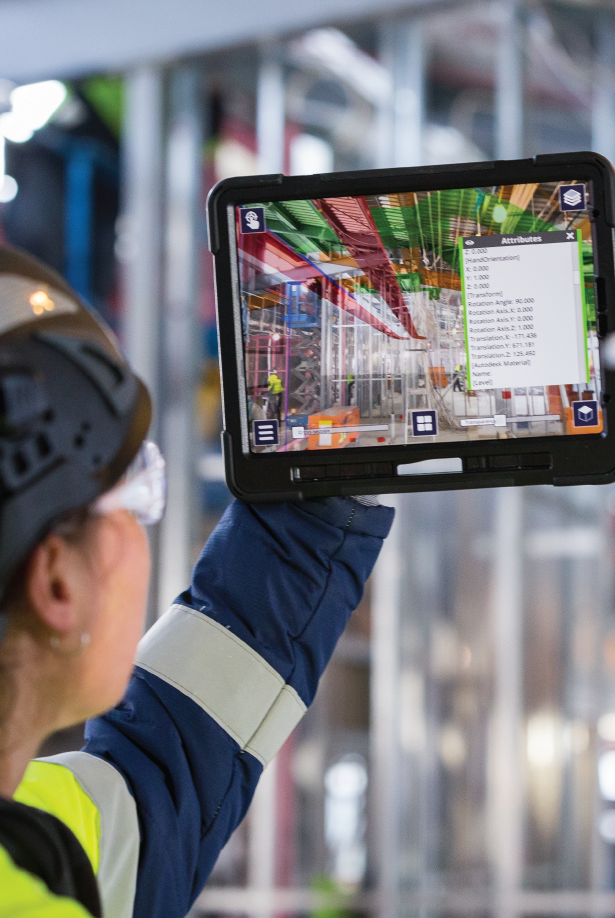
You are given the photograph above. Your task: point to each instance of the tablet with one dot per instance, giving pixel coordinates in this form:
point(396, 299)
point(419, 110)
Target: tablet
point(416, 329)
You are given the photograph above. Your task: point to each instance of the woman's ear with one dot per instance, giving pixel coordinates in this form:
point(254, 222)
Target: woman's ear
point(54, 584)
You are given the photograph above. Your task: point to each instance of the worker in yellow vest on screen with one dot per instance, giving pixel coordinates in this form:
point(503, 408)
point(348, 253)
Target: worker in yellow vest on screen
point(275, 391)
point(457, 377)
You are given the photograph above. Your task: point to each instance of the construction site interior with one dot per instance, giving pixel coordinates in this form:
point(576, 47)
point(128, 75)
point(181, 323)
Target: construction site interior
point(355, 319)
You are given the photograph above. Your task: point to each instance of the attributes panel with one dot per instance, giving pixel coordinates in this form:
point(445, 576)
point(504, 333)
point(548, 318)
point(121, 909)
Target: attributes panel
point(524, 310)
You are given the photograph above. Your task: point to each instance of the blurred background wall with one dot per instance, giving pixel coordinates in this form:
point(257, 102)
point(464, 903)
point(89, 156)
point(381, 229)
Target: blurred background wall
point(460, 756)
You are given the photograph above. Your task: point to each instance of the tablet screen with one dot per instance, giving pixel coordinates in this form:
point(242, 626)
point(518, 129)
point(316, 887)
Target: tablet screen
point(426, 317)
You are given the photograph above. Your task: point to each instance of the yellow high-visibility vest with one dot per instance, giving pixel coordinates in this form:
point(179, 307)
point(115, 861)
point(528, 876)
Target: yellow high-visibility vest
point(275, 385)
point(55, 790)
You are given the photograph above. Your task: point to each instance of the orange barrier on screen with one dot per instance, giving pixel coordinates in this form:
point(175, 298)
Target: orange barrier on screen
point(438, 377)
point(335, 417)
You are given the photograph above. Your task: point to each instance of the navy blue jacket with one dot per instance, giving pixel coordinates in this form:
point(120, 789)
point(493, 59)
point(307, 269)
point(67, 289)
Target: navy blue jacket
point(220, 682)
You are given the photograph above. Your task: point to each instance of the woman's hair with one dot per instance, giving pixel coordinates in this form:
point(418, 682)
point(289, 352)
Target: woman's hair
point(76, 525)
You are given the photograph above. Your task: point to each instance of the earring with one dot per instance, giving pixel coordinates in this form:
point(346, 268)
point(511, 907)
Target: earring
point(56, 644)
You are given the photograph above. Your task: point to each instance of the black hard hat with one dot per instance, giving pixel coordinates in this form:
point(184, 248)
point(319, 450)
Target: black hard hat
point(72, 413)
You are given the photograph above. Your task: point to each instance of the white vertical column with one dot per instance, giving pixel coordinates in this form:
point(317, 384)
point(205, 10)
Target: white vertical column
point(384, 732)
point(270, 113)
point(509, 82)
point(408, 94)
point(270, 123)
point(139, 246)
point(262, 841)
point(183, 190)
point(140, 226)
point(601, 857)
point(603, 113)
point(506, 748)
point(385, 120)
point(326, 316)
point(400, 118)
point(506, 761)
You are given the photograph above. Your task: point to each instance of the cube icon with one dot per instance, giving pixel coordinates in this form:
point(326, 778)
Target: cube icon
point(585, 414)
point(572, 197)
point(424, 423)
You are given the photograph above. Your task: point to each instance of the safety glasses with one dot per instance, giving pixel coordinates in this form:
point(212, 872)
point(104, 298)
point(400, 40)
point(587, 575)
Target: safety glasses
point(143, 489)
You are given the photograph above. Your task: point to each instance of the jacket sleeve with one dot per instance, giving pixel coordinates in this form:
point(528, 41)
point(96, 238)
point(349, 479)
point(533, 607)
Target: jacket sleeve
point(221, 680)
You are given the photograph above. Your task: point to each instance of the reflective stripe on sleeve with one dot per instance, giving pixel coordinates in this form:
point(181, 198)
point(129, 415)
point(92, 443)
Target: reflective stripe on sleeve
point(225, 677)
point(119, 829)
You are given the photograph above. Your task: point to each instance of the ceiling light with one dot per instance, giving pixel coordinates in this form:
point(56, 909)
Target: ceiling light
point(35, 103)
point(14, 128)
point(8, 189)
point(32, 107)
point(606, 775)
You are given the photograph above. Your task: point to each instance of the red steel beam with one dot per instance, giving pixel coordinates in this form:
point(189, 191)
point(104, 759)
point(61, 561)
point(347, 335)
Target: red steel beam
point(275, 254)
point(332, 291)
point(351, 220)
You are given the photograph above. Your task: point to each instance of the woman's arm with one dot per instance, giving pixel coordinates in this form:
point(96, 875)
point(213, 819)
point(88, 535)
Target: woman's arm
point(221, 680)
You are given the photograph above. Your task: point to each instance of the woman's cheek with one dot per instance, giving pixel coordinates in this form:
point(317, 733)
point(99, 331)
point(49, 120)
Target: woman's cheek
point(132, 588)
point(124, 597)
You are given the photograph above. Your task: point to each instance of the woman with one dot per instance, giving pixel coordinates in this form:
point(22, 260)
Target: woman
point(134, 823)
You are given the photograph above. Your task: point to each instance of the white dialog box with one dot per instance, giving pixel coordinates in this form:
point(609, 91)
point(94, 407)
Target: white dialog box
point(524, 310)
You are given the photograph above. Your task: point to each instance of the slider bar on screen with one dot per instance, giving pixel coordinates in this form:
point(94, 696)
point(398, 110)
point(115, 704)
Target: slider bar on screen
point(534, 417)
point(503, 420)
point(317, 431)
